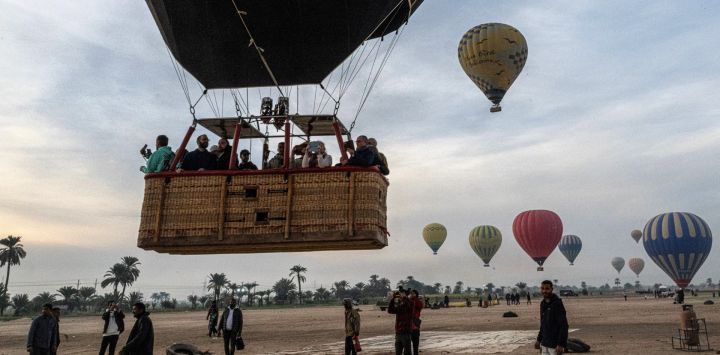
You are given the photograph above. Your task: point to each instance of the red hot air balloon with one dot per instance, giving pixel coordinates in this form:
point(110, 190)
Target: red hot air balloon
point(538, 232)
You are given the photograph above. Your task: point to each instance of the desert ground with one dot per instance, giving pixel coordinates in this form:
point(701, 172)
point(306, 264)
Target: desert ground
point(609, 325)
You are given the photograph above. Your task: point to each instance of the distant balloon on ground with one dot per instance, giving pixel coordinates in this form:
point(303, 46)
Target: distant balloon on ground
point(434, 235)
point(636, 234)
point(618, 263)
point(570, 246)
point(485, 242)
point(636, 265)
point(538, 232)
point(679, 243)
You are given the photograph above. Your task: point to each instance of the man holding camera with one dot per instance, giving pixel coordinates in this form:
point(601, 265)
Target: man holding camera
point(403, 309)
point(114, 325)
point(159, 160)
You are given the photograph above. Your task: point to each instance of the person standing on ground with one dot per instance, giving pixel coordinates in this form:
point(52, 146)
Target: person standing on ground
point(142, 335)
point(212, 318)
point(56, 315)
point(417, 308)
point(625, 295)
point(43, 331)
point(552, 338)
point(114, 325)
point(231, 326)
point(352, 326)
point(401, 306)
point(529, 299)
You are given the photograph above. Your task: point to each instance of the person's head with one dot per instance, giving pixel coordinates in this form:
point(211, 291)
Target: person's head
point(138, 309)
point(347, 303)
point(232, 302)
point(56, 312)
point(203, 141)
point(321, 148)
point(47, 309)
point(546, 288)
point(372, 142)
point(281, 147)
point(244, 155)
point(161, 141)
point(414, 294)
point(111, 303)
point(361, 141)
point(223, 144)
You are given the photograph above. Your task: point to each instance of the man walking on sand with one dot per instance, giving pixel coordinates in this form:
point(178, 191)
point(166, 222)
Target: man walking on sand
point(552, 338)
point(41, 339)
point(352, 326)
point(230, 326)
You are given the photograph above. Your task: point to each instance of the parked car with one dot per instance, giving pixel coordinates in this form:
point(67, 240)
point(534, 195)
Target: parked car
point(568, 293)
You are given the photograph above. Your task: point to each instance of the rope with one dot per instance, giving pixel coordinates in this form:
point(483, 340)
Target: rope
point(257, 48)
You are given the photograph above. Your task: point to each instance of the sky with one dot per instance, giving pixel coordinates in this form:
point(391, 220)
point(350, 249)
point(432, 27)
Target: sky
point(613, 120)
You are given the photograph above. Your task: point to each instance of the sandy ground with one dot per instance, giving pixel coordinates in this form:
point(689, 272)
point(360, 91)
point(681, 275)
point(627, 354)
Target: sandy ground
point(610, 326)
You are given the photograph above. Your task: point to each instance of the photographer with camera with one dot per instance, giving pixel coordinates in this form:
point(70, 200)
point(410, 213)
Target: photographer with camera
point(316, 156)
point(159, 160)
point(114, 325)
point(403, 308)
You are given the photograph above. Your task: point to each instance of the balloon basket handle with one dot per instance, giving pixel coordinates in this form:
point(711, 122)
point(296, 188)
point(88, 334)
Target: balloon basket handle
point(495, 108)
point(540, 268)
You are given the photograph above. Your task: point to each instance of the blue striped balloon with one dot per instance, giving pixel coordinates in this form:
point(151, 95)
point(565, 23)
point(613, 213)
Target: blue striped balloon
point(679, 243)
point(570, 246)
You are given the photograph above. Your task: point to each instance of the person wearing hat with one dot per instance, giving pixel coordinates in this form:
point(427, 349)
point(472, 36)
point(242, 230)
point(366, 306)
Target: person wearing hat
point(245, 163)
point(352, 325)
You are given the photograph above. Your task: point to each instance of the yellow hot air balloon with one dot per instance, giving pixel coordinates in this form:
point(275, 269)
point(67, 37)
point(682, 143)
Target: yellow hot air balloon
point(485, 241)
point(493, 55)
point(434, 235)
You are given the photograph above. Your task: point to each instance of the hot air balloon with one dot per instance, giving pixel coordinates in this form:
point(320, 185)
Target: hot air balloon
point(434, 235)
point(538, 232)
point(679, 243)
point(636, 234)
point(570, 246)
point(485, 241)
point(617, 263)
point(493, 55)
point(636, 265)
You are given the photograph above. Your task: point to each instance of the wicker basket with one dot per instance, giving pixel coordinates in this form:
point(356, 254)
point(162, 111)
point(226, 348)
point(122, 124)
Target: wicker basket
point(264, 211)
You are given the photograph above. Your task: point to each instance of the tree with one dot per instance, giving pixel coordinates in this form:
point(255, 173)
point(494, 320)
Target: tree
point(68, 293)
point(42, 298)
point(4, 299)
point(709, 282)
point(627, 285)
point(193, 299)
point(232, 287)
point(298, 270)
point(521, 286)
point(341, 288)
point(250, 286)
point(282, 289)
point(436, 287)
point(20, 302)
point(322, 294)
point(131, 272)
point(203, 300)
point(114, 276)
point(85, 295)
point(458, 287)
point(583, 285)
point(134, 297)
point(447, 289)
point(617, 282)
point(490, 286)
point(216, 284)
point(10, 254)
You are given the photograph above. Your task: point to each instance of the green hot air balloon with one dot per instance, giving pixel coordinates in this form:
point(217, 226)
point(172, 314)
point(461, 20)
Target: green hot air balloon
point(485, 242)
point(434, 235)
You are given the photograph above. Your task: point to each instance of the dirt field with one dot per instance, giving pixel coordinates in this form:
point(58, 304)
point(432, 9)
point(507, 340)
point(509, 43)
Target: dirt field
point(610, 326)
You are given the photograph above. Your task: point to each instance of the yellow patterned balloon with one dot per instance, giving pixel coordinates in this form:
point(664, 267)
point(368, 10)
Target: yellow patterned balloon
point(493, 55)
point(434, 235)
point(485, 241)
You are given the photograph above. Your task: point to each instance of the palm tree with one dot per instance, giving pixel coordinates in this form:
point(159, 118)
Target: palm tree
point(68, 293)
point(340, 288)
point(11, 254)
point(436, 287)
point(203, 300)
point(131, 273)
point(251, 291)
point(86, 294)
point(4, 299)
point(43, 298)
point(216, 284)
point(298, 271)
point(193, 299)
point(134, 297)
point(115, 276)
point(283, 289)
point(20, 302)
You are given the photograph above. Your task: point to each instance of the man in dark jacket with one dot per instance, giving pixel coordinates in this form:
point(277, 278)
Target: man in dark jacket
point(363, 156)
point(114, 325)
point(43, 332)
point(402, 307)
point(142, 336)
point(200, 158)
point(230, 325)
point(552, 338)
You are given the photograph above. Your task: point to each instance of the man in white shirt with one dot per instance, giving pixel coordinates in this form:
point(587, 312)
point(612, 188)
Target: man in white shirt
point(114, 325)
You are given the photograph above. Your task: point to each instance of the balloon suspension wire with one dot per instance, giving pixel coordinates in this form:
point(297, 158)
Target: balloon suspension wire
point(257, 48)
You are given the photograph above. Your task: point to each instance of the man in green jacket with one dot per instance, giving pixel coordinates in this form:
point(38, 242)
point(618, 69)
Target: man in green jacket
point(161, 159)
